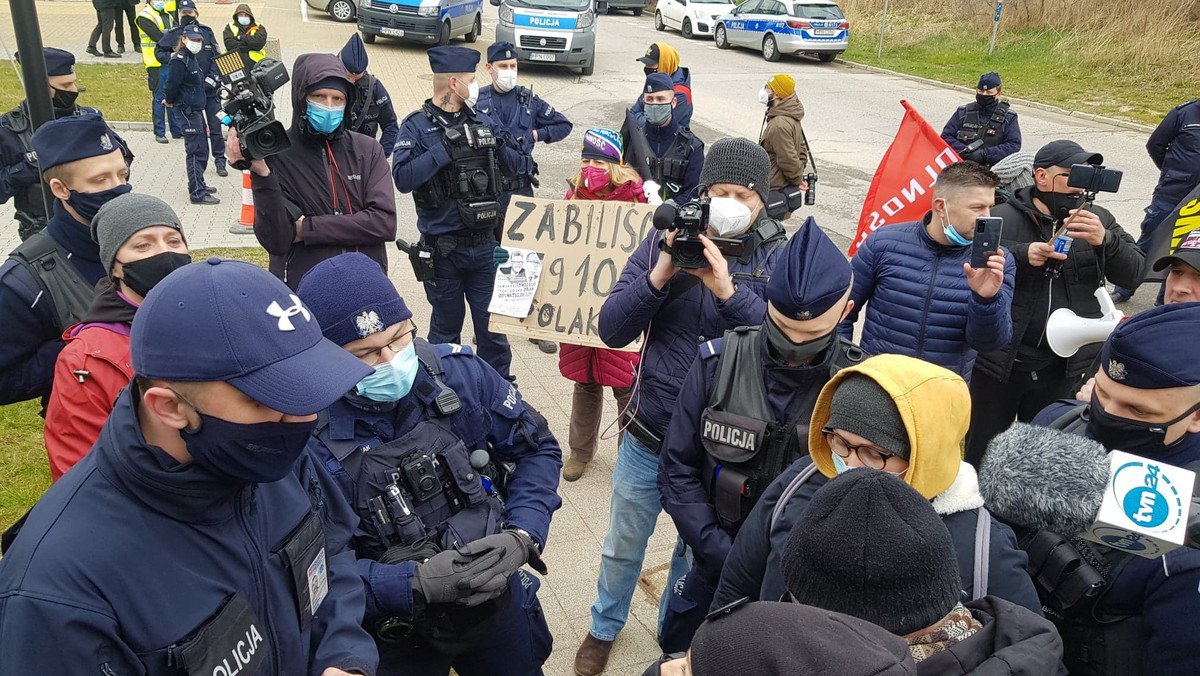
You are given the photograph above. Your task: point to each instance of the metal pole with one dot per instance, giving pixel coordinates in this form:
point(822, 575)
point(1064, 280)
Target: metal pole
point(995, 26)
point(882, 30)
point(33, 63)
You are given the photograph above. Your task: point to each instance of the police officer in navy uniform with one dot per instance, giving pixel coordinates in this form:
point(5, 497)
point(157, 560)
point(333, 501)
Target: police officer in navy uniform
point(742, 415)
point(46, 284)
point(678, 153)
point(988, 119)
point(197, 536)
point(454, 479)
point(210, 50)
point(184, 90)
point(19, 176)
point(1145, 401)
point(372, 109)
point(448, 157)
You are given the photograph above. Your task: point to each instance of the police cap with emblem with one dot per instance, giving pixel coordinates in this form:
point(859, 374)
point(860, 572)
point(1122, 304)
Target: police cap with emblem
point(354, 55)
point(71, 138)
point(58, 61)
point(193, 32)
point(452, 59)
point(989, 80)
point(1188, 253)
point(187, 5)
point(1152, 350)
point(501, 51)
point(351, 297)
point(811, 276)
point(658, 82)
point(233, 322)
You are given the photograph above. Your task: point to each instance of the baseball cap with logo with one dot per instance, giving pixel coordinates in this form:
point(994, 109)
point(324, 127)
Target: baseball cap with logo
point(651, 57)
point(1188, 253)
point(1063, 153)
point(233, 322)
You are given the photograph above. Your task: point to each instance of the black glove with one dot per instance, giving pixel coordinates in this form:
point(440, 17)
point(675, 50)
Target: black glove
point(499, 256)
point(448, 577)
point(978, 155)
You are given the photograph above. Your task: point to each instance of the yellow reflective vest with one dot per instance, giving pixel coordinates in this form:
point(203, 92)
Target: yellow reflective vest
point(256, 55)
point(164, 23)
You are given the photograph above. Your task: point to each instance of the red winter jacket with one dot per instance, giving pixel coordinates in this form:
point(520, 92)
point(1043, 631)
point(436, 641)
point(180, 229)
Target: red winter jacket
point(610, 368)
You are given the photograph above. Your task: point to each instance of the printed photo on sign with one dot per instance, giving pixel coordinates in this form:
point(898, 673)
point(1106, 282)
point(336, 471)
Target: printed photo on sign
point(516, 282)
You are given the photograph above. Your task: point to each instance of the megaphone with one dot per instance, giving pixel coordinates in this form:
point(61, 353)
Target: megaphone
point(1067, 332)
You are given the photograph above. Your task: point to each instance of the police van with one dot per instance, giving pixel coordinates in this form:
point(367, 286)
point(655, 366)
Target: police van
point(558, 32)
point(425, 21)
point(778, 27)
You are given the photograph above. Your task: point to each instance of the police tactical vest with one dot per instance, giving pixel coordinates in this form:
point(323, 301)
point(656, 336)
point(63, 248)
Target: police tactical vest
point(368, 113)
point(974, 128)
point(41, 256)
point(746, 447)
point(670, 170)
point(471, 180)
point(33, 203)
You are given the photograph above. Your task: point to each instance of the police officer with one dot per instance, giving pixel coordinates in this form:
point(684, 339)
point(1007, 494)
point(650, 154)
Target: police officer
point(742, 413)
point(244, 34)
point(454, 480)
point(989, 120)
point(448, 157)
point(210, 49)
point(19, 179)
point(184, 90)
point(521, 120)
point(153, 21)
point(46, 283)
point(1146, 401)
point(677, 310)
point(196, 536)
point(678, 154)
point(371, 108)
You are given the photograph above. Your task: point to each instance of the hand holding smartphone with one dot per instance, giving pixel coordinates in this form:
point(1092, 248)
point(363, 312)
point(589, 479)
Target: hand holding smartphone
point(987, 240)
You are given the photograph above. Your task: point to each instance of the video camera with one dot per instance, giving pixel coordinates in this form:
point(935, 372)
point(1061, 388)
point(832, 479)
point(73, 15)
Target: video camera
point(249, 108)
point(691, 220)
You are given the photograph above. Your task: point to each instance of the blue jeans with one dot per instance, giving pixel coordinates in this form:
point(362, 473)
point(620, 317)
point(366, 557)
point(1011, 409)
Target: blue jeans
point(633, 514)
point(465, 273)
point(162, 115)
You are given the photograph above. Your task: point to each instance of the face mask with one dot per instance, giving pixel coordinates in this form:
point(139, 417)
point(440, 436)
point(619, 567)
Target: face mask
point(158, 6)
point(1132, 436)
point(193, 46)
point(658, 114)
point(86, 204)
point(840, 465)
point(796, 353)
point(255, 453)
point(727, 216)
point(244, 20)
point(64, 99)
point(985, 100)
point(1060, 204)
point(764, 97)
point(506, 80)
point(472, 95)
point(188, 20)
point(594, 178)
point(391, 380)
point(324, 119)
point(650, 69)
point(141, 276)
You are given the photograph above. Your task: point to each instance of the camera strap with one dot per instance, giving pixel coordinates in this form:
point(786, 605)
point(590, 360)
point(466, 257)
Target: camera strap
point(812, 161)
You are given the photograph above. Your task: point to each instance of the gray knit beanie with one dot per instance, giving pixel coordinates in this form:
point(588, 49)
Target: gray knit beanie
point(1015, 171)
point(738, 161)
point(121, 218)
point(861, 406)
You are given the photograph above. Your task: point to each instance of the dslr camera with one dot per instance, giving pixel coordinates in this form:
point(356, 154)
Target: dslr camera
point(247, 88)
point(690, 220)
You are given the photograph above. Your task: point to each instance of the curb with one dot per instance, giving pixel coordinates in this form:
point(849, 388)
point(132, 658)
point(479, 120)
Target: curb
point(122, 125)
point(1092, 117)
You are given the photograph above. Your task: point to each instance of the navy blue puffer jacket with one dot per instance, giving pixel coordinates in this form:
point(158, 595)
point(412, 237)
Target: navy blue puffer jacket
point(918, 301)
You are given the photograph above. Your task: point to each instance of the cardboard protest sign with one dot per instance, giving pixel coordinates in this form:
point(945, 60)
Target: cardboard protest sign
point(583, 246)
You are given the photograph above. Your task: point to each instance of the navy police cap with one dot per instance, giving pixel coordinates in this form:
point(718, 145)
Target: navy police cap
point(501, 51)
point(658, 82)
point(72, 138)
point(989, 80)
point(58, 61)
point(810, 276)
point(1152, 349)
point(453, 59)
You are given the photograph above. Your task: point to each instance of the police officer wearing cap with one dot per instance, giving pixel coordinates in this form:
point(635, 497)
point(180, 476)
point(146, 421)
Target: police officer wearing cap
point(453, 477)
point(46, 283)
point(743, 412)
point(210, 49)
point(989, 120)
point(449, 158)
point(676, 311)
point(19, 177)
point(184, 91)
point(678, 154)
point(372, 109)
point(1146, 401)
point(196, 536)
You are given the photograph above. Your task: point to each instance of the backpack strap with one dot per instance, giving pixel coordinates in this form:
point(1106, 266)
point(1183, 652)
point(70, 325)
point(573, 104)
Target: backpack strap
point(983, 549)
point(792, 488)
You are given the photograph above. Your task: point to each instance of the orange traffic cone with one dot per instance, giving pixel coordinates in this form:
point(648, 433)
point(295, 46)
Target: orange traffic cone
point(245, 224)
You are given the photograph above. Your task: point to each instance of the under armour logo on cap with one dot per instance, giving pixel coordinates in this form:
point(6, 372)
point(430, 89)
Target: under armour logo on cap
point(285, 316)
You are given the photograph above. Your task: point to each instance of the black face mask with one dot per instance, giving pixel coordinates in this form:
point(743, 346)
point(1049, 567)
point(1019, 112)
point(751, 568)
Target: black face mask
point(1132, 436)
point(188, 20)
point(648, 70)
point(64, 100)
point(1060, 204)
point(795, 353)
point(985, 100)
point(141, 276)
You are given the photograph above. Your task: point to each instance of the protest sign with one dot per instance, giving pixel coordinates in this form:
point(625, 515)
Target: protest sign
point(583, 246)
point(1170, 232)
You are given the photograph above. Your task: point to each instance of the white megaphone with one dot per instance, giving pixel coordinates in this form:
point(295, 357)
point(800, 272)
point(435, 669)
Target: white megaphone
point(1067, 332)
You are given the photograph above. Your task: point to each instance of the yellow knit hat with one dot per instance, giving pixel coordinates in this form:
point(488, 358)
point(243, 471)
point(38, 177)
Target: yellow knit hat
point(782, 84)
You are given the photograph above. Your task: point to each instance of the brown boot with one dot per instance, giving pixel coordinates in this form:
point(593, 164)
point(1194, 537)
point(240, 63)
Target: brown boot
point(573, 469)
point(592, 656)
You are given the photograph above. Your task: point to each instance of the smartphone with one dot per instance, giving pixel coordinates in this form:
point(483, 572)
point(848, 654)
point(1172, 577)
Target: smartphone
point(987, 240)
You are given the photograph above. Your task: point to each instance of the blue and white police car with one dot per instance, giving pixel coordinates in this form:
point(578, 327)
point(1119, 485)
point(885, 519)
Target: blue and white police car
point(778, 27)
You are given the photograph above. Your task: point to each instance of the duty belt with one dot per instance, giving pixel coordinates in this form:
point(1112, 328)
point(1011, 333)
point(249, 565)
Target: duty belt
point(516, 183)
point(644, 434)
point(464, 237)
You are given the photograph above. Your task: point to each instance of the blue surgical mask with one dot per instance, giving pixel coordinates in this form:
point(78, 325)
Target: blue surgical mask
point(244, 20)
point(840, 465)
point(955, 238)
point(158, 6)
point(324, 119)
point(86, 204)
point(391, 380)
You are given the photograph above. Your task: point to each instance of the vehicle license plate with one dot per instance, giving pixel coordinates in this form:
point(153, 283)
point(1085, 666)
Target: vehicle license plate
point(824, 32)
point(394, 32)
point(541, 56)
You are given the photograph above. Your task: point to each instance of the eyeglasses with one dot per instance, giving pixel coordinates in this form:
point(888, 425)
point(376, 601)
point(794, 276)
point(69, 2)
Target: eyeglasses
point(870, 456)
point(376, 357)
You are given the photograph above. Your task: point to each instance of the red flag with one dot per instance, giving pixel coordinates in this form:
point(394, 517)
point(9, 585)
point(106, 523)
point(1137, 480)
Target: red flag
point(902, 189)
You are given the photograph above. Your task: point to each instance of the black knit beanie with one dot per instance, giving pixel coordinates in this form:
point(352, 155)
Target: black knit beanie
point(738, 161)
point(872, 547)
point(861, 406)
